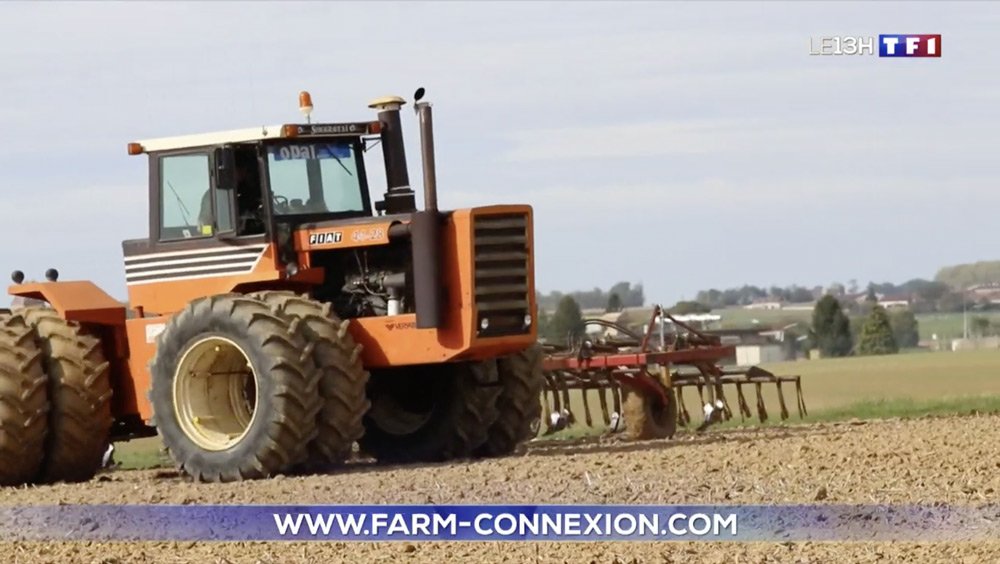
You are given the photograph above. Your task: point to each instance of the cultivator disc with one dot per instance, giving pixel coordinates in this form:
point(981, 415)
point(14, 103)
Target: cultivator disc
point(633, 379)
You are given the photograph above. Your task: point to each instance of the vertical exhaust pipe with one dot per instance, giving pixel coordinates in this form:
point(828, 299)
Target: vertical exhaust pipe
point(426, 230)
point(399, 197)
point(423, 110)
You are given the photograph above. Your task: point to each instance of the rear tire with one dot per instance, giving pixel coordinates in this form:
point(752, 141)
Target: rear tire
point(430, 413)
point(343, 381)
point(79, 390)
point(235, 390)
point(24, 403)
point(519, 404)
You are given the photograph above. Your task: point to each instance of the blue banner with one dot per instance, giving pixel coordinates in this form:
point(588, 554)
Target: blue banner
point(500, 522)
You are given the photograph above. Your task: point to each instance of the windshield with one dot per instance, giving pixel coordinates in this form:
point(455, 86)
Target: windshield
point(315, 177)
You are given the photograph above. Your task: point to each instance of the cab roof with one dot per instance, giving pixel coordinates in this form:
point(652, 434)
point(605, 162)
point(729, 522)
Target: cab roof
point(252, 134)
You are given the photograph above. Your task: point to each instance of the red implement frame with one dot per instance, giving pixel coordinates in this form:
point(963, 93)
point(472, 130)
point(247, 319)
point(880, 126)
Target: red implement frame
point(658, 375)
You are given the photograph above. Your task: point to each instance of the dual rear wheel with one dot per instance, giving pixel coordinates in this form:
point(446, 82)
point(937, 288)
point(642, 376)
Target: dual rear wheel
point(252, 386)
point(55, 392)
point(459, 410)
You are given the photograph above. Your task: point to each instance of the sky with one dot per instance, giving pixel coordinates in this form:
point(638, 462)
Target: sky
point(678, 145)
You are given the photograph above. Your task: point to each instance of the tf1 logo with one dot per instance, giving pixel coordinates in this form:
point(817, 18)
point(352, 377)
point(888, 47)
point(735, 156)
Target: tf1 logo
point(889, 45)
point(909, 45)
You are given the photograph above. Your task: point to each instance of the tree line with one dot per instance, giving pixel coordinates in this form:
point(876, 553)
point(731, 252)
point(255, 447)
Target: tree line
point(876, 332)
point(621, 295)
point(925, 296)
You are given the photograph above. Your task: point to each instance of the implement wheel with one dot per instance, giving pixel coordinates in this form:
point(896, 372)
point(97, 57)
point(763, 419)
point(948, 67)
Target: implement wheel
point(79, 390)
point(647, 417)
point(430, 413)
point(235, 390)
point(24, 403)
point(519, 404)
point(343, 381)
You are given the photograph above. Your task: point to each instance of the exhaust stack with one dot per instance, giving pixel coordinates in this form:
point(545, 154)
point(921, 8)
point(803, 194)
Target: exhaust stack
point(399, 197)
point(423, 110)
point(426, 229)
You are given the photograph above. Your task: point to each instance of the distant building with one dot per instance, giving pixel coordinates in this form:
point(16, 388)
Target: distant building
point(752, 355)
point(764, 304)
point(989, 292)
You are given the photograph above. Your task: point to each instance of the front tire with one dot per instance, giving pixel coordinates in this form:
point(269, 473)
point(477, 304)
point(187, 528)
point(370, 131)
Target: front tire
point(430, 413)
point(343, 381)
point(234, 390)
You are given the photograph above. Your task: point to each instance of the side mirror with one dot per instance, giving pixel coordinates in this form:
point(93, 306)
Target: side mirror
point(225, 168)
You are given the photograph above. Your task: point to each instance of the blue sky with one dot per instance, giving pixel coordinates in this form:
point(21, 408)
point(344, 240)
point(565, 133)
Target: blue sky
point(679, 145)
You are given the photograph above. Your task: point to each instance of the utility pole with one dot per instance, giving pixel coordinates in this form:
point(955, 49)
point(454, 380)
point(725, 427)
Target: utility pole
point(965, 313)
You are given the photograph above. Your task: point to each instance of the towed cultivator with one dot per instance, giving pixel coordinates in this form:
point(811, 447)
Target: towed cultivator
point(646, 380)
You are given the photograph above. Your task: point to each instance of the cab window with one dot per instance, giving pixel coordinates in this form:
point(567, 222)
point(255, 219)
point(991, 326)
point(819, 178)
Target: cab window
point(315, 178)
point(185, 208)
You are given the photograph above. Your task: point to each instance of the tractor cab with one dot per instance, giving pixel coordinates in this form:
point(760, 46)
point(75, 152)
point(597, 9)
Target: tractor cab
point(243, 183)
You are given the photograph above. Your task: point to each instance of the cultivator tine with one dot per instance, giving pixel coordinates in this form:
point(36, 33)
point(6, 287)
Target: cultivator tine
point(781, 401)
point(685, 417)
point(546, 411)
point(586, 407)
point(744, 408)
point(616, 397)
point(602, 396)
point(801, 400)
point(566, 406)
point(761, 410)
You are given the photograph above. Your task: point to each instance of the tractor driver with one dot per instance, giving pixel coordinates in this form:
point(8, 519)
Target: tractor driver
point(249, 206)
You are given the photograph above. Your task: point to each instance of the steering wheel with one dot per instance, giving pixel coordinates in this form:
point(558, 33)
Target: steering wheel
point(280, 202)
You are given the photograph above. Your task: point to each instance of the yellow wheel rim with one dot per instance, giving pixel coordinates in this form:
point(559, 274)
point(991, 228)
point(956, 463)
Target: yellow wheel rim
point(215, 393)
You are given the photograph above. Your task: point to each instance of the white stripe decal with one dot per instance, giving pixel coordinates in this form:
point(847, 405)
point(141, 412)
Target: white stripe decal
point(249, 248)
point(179, 278)
point(241, 256)
point(237, 267)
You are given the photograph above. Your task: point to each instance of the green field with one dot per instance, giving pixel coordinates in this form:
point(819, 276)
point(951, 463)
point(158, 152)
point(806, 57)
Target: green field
point(903, 385)
point(944, 325)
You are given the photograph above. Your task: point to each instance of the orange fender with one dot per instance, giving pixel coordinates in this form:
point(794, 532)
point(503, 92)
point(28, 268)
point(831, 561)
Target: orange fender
point(75, 300)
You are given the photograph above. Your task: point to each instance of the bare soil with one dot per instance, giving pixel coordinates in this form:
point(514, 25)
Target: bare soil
point(954, 460)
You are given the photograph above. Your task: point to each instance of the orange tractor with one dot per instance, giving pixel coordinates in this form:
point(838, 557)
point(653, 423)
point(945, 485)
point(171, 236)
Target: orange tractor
point(277, 316)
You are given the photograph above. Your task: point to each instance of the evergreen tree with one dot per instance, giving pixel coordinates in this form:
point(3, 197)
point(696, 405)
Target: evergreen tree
point(831, 330)
point(905, 329)
point(614, 303)
point(566, 321)
point(876, 334)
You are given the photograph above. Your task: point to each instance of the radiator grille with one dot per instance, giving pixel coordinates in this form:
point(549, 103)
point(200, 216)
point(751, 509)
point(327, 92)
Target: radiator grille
point(502, 268)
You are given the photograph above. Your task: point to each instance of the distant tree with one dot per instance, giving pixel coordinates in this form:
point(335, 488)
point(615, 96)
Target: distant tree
point(831, 330)
point(686, 308)
point(951, 302)
point(544, 324)
point(876, 334)
point(964, 275)
point(852, 286)
point(871, 297)
point(614, 304)
point(905, 329)
point(836, 289)
point(797, 294)
point(566, 321)
point(980, 326)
